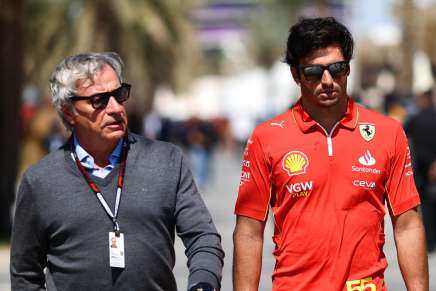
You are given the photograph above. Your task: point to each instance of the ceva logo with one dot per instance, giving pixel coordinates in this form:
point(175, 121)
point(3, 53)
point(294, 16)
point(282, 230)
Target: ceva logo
point(364, 184)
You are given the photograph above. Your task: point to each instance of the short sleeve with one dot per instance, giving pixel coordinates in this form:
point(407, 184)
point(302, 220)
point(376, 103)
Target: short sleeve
point(400, 187)
point(254, 187)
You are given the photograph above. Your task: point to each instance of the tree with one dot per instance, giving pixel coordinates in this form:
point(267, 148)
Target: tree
point(153, 37)
point(270, 29)
point(11, 25)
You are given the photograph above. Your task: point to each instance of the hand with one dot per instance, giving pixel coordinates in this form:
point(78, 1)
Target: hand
point(202, 287)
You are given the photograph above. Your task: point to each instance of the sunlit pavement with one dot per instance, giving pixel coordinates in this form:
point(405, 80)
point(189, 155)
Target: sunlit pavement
point(4, 269)
point(220, 196)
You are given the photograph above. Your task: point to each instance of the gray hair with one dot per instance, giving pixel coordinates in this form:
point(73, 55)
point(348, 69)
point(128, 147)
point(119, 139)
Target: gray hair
point(63, 81)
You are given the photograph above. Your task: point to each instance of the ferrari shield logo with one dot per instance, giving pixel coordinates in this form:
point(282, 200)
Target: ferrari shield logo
point(367, 131)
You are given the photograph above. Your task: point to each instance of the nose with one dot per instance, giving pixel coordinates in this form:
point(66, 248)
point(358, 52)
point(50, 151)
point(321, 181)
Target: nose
point(113, 106)
point(326, 79)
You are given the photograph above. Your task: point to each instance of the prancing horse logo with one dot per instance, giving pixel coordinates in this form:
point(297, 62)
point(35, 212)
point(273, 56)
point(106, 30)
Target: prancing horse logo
point(367, 131)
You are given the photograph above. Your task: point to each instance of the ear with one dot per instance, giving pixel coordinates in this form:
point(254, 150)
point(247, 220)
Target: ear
point(68, 114)
point(295, 75)
point(348, 69)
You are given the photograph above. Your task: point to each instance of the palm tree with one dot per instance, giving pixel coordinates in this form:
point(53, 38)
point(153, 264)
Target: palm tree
point(270, 27)
point(153, 37)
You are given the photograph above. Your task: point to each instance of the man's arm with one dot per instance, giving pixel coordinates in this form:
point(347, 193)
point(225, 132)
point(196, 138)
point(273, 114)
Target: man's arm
point(196, 229)
point(28, 247)
point(247, 253)
point(411, 251)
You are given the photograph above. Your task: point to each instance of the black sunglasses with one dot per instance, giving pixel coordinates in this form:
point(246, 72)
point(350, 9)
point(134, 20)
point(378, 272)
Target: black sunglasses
point(315, 72)
point(100, 100)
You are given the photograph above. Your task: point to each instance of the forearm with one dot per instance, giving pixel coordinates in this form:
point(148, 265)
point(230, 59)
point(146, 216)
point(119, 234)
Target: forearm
point(412, 256)
point(24, 283)
point(28, 247)
point(199, 235)
point(205, 261)
point(26, 262)
point(247, 261)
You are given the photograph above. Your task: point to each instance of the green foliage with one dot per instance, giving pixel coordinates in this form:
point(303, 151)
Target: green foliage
point(150, 35)
point(270, 28)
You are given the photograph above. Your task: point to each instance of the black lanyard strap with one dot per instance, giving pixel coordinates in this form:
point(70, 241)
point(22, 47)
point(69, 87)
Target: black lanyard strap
point(96, 190)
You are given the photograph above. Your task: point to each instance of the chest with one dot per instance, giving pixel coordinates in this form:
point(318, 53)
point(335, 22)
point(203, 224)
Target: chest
point(317, 169)
point(74, 210)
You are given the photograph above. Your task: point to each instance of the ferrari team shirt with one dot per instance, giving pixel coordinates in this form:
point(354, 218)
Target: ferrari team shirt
point(327, 193)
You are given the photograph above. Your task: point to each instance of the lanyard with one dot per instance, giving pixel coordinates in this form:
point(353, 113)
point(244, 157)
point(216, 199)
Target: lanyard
point(97, 192)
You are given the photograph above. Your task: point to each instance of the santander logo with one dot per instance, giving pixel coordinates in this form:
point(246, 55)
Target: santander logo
point(367, 159)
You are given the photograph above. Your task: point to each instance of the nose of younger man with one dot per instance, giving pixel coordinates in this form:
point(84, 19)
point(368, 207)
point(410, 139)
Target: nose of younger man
point(326, 79)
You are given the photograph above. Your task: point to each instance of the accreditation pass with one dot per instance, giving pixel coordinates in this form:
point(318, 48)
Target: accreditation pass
point(116, 250)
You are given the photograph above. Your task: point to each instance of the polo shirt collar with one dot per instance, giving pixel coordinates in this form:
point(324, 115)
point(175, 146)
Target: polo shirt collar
point(305, 121)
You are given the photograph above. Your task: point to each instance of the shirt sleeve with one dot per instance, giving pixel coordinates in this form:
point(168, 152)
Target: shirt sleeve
point(254, 187)
point(196, 229)
point(400, 187)
point(28, 247)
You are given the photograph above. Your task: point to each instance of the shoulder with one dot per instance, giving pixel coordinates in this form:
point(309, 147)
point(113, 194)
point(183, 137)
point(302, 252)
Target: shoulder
point(383, 124)
point(276, 125)
point(51, 163)
point(153, 161)
point(46, 170)
point(154, 150)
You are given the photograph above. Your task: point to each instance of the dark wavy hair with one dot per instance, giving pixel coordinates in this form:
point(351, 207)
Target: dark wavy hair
point(310, 34)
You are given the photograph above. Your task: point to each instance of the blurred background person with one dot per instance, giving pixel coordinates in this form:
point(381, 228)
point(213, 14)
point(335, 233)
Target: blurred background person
point(421, 130)
point(200, 140)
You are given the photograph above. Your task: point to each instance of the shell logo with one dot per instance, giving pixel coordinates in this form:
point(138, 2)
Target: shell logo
point(295, 163)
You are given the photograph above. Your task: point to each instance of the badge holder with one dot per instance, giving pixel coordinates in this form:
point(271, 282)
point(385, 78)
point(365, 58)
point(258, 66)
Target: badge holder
point(116, 250)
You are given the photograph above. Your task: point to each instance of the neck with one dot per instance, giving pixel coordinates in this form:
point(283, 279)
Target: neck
point(99, 150)
point(327, 117)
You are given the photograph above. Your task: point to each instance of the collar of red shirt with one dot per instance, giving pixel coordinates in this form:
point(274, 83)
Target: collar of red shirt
point(305, 122)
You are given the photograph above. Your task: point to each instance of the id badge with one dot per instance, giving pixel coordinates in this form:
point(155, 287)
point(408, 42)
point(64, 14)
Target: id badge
point(116, 250)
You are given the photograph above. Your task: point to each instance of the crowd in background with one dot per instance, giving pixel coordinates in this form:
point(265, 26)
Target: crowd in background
point(199, 138)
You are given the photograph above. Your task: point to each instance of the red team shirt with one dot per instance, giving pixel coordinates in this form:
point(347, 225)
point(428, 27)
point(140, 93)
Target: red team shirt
point(327, 193)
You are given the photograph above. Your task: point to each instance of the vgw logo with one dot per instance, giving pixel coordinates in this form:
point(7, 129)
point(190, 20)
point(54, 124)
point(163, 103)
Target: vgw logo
point(301, 189)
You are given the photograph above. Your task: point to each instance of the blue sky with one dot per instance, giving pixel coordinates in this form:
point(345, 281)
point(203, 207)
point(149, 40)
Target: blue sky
point(367, 15)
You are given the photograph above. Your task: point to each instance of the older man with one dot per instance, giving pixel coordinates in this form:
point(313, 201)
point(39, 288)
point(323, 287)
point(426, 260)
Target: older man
point(101, 212)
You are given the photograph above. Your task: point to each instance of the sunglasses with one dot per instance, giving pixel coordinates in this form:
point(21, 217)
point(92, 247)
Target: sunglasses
point(100, 100)
point(315, 72)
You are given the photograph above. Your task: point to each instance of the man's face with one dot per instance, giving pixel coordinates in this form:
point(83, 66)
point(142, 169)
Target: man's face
point(329, 89)
point(108, 124)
